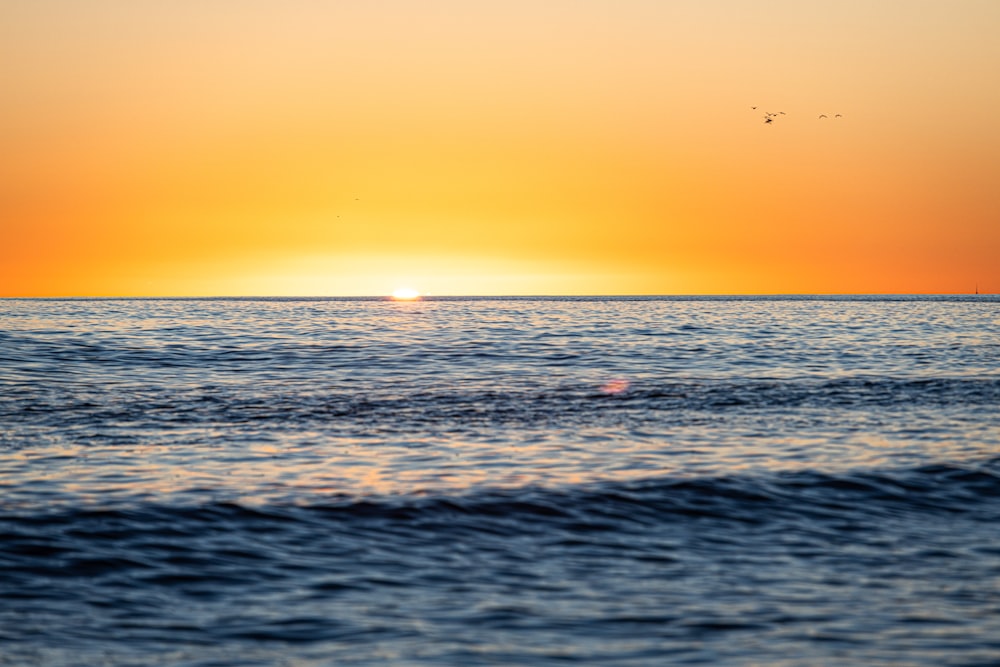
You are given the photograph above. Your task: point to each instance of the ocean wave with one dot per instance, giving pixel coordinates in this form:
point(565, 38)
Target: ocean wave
point(281, 404)
point(933, 489)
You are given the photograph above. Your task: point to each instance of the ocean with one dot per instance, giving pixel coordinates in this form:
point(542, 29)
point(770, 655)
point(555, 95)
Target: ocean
point(500, 481)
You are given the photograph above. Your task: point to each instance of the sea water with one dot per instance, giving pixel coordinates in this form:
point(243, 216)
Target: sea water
point(500, 481)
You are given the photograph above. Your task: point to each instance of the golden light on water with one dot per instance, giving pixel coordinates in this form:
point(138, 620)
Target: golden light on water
point(405, 294)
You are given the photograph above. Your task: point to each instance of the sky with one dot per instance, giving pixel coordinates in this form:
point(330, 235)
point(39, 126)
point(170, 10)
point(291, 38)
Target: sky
point(353, 147)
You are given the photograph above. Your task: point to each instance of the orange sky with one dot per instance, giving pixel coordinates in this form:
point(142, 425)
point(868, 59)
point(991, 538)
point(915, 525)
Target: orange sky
point(299, 147)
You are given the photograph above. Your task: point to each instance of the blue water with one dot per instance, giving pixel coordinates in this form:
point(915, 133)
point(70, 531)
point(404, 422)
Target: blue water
point(606, 481)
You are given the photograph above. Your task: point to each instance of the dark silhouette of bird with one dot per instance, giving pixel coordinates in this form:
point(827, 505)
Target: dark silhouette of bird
point(822, 115)
point(768, 119)
point(839, 116)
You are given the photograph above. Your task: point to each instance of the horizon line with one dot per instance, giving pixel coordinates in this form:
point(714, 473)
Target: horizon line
point(389, 297)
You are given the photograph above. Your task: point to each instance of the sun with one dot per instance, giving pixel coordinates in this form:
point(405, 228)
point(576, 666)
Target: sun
point(405, 294)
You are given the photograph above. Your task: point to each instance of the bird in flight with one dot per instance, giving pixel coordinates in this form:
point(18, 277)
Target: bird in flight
point(769, 116)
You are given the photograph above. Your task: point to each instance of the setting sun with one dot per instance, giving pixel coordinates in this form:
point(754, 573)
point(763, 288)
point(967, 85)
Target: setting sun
point(405, 294)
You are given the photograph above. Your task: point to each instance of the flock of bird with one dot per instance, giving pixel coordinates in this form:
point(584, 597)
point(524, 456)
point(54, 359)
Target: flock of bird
point(769, 116)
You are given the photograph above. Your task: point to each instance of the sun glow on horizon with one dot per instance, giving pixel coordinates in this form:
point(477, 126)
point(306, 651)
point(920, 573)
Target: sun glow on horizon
point(405, 294)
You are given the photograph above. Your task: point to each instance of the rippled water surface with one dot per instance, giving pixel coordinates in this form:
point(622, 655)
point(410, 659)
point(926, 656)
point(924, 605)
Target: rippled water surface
point(608, 481)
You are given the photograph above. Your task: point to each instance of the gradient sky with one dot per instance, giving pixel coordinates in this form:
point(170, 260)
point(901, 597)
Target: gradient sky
point(350, 147)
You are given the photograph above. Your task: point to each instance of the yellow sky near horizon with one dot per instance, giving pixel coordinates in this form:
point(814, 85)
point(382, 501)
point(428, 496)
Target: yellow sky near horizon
point(556, 147)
